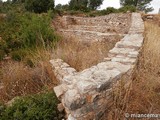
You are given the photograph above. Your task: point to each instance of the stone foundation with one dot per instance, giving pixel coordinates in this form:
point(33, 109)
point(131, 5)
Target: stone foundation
point(86, 95)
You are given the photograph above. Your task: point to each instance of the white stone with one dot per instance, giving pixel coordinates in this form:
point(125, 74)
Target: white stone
point(70, 97)
point(121, 51)
point(125, 60)
point(70, 117)
point(60, 90)
point(85, 86)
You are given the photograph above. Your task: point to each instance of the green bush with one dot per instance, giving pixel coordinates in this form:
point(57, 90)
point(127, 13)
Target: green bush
point(36, 107)
point(39, 6)
point(127, 8)
point(111, 10)
point(103, 12)
point(27, 30)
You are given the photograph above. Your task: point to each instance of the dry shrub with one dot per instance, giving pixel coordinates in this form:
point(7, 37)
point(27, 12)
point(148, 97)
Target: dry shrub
point(142, 96)
point(81, 55)
point(145, 93)
point(20, 79)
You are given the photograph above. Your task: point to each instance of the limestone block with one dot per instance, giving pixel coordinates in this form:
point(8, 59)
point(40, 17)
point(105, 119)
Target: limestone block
point(60, 90)
point(133, 37)
point(86, 73)
point(129, 44)
point(133, 54)
point(109, 65)
point(70, 117)
point(73, 100)
point(85, 86)
point(104, 78)
point(60, 107)
point(69, 79)
point(124, 60)
point(121, 51)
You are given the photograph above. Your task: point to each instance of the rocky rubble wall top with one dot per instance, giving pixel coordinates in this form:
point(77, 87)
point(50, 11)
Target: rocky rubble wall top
point(103, 28)
point(112, 23)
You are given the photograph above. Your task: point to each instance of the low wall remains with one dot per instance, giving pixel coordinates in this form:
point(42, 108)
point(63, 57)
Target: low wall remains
point(87, 94)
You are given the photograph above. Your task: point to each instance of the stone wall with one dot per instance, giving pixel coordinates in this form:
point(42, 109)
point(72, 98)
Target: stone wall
point(87, 94)
point(93, 29)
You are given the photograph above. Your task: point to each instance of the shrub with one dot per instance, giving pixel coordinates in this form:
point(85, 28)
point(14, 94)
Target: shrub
point(78, 5)
point(27, 30)
point(36, 107)
point(103, 12)
point(39, 6)
point(127, 8)
point(111, 10)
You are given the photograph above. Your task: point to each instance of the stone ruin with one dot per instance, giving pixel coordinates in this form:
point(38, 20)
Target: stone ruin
point(96, 29)
point(87, 94)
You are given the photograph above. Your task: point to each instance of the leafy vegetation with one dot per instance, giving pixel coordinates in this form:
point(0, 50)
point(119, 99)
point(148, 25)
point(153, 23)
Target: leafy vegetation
point(39, 6)
point(26, 31)
point(36, 107)
point(142, 5)
point(110, 10)
point(84, 5)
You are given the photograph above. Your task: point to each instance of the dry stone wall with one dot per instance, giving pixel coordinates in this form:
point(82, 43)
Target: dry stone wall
point(87, 94)
point(93, 29)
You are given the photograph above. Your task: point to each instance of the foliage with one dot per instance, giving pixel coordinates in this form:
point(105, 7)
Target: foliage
point(26, 31)
point(62, 7)
point(78, 5)
point(127, 8)
point(34, 107)
point(94, 4)
point(142, 5)
point(39, 6)
point(6, 7)
point(84, 5)
point(110, 10)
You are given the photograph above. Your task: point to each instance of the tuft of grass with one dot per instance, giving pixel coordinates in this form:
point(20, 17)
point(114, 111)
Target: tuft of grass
point(20, 80)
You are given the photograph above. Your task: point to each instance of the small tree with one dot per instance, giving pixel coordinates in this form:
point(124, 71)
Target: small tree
point(94, 4)
point(84, 4)
point(61, 7)
point(142, 5)
point(39, 6)
point(78, 5)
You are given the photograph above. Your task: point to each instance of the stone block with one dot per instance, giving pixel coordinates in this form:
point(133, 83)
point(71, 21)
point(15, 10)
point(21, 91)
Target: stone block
point(73, 100)
point(60, 90)
point(85, 86)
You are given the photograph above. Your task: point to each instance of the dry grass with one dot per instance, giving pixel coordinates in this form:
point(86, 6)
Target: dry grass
point(143, 94)
point(19, 79)
point(82, 55)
